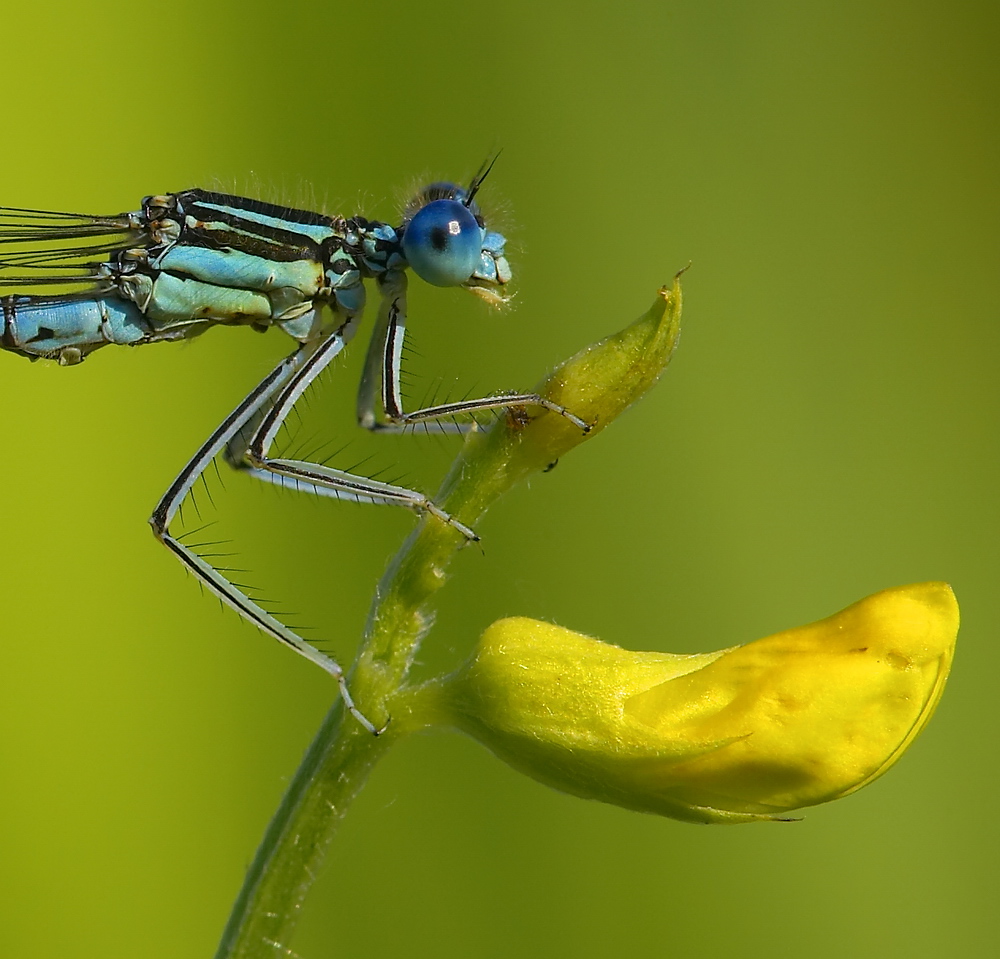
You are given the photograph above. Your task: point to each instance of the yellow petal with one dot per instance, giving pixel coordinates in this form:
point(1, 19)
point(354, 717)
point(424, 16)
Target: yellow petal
point(814, 712)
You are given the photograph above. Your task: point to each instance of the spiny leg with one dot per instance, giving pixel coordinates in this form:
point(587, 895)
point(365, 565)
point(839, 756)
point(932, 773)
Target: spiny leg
point(316, 477)
point(213, 579)
point(382, 375)
point(264, 412)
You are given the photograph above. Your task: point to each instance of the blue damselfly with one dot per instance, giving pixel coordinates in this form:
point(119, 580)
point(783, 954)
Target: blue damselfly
point(189, 261)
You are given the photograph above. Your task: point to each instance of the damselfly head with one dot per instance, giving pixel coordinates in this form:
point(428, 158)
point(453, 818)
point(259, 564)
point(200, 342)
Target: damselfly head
point(446, 242)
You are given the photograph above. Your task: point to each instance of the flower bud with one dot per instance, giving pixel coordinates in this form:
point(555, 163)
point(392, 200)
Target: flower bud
point(748, 733)
point(596, 386)
point(604, 379)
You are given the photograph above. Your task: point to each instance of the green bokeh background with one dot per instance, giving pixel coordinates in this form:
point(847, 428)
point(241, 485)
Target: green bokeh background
point(829, 428)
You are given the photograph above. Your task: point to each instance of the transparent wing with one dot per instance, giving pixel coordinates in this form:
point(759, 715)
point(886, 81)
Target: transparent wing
point(64, 252)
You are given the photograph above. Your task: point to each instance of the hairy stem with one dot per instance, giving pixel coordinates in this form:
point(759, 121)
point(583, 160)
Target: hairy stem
point(343, 754)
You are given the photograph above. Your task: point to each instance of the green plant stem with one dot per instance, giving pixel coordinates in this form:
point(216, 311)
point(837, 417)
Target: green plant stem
point(334, 769)
point(343, 754)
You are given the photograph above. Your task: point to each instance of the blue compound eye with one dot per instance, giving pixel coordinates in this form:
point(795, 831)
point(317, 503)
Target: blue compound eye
point(443, 243)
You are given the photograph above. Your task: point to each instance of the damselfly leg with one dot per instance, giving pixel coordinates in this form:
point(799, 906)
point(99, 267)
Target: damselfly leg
point(381, 382)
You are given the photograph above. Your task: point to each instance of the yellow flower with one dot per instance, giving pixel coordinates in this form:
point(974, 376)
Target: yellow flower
point(748, 733)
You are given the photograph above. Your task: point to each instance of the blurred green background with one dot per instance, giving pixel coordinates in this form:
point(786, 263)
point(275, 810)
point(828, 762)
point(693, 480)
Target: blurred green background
point(829, 428)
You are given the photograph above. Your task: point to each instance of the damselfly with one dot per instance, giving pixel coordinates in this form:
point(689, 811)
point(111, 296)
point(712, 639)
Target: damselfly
point(192, 260)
